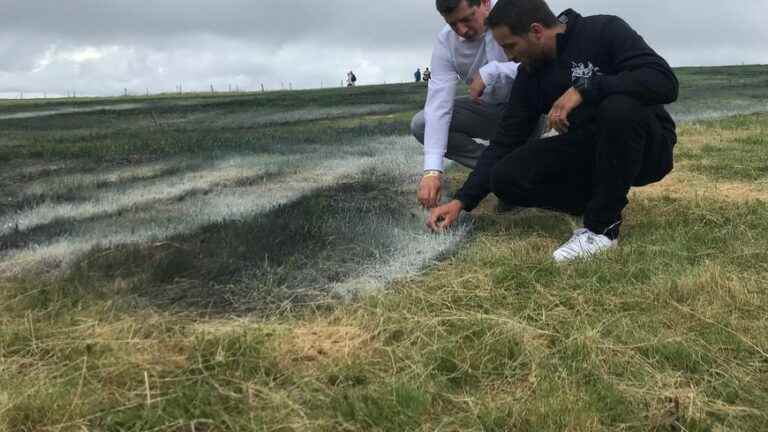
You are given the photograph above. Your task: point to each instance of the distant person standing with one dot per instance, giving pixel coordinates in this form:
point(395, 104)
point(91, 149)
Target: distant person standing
point(417, 75)
point(426, 76)
point(449, 125)
point(351, 79)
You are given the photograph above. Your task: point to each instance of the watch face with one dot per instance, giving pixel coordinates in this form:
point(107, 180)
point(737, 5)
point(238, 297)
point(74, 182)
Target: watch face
point(581, 84)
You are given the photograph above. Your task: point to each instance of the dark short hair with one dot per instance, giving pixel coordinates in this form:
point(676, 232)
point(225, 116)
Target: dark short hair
point(518, 15)
point(446, 7)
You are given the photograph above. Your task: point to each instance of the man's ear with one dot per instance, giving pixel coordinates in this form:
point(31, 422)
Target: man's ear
point(536, 31)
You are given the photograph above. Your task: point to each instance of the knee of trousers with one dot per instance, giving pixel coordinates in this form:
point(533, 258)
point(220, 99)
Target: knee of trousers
point(418, 124)
point(619, 111)
point(506, 182)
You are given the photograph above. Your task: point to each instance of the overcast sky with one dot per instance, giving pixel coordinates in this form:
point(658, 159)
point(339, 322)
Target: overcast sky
point(100, 47)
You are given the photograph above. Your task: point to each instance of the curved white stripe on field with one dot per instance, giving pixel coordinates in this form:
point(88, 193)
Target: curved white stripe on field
point(409, 248)
point(320, 113)
point(711, 110)
point(415, 251)
point(31, 114)
point(32, 168)
point(64, 182)
point(121, 197)
point(415, 248)
point(262, 118)
point(170, 218)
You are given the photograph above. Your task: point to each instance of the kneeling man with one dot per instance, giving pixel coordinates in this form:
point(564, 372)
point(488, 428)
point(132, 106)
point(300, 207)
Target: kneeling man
point(448, 125)
point(603, 88)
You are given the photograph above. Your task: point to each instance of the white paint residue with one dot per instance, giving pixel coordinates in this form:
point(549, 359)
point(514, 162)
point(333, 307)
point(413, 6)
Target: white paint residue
point(31, 114)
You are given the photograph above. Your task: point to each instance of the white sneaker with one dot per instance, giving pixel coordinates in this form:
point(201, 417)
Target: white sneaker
point(583, 244)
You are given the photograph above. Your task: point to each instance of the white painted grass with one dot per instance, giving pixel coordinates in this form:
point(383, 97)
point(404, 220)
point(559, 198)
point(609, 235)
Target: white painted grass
point(720, 108)
point(121, 198)
point(31, 114)
point(151, 217)
point(415, 247)
point(416, 250)
point(56, 184)
point(320, 113)
point(262, 118)
point(32, 168)
point(166, 219)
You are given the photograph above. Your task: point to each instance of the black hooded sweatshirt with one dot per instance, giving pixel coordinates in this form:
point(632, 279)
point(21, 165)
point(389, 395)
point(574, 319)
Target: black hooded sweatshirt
point(602, 48)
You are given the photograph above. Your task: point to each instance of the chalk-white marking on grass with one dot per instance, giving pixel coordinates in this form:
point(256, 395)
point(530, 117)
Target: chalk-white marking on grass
point(405, 247)
point(163, 219)
point(261, 118)
point(31, 114)
point(170, 218)
point(32, 168)
point(120, 197)
point(711, 110)
point(66, 182)
point(320, 113)
point(415, 248)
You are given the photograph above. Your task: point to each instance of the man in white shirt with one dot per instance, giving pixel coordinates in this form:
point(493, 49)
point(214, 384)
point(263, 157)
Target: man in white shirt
point(449, 125)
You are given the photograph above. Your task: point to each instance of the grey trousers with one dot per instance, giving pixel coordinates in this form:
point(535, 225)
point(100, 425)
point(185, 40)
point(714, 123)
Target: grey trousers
point(470, 120)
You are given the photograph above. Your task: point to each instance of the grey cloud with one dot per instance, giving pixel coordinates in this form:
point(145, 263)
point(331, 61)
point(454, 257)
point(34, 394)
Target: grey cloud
point(143, 44)
point(344, 22)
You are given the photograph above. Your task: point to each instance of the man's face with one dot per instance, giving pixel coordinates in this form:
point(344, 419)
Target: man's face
point(527, 50)
point(469, 21)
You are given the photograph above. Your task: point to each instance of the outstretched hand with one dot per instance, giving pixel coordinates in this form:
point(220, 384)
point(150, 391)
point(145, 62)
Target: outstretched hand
point(440, 218)
point(557, 118)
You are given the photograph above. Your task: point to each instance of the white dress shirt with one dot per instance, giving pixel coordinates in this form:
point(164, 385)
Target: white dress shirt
point(456, 58)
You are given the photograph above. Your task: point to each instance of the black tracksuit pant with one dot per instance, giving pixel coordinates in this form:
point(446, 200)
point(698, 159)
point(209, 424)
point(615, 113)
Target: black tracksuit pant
point(590, 170)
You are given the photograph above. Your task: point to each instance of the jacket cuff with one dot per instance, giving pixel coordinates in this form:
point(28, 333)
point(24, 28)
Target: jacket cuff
point(467, 203)
point(595, 92)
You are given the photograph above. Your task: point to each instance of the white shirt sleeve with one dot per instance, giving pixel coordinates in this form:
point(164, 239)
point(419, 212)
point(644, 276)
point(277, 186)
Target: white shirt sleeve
point(438, 109)
point(499, 75)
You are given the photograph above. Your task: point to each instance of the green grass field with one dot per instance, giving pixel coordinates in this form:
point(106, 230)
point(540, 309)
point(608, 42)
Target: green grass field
point(258, 263)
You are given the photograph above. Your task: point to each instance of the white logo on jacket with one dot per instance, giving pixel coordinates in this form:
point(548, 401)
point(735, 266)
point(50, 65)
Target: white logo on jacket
point(579, 70)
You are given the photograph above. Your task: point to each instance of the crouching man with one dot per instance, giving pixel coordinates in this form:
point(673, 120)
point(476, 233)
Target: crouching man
point(447, 126)
point(603, 88)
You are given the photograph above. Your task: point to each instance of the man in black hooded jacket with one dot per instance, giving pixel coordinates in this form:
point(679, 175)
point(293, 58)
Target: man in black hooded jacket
point(603, 89)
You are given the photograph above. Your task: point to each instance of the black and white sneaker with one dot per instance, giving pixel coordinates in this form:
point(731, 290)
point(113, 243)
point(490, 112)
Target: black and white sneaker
point(583, 244)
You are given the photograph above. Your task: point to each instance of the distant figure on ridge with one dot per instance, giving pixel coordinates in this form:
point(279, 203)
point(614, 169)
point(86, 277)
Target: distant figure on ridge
point(427, 75)
point(351, 79)
point(417, 75)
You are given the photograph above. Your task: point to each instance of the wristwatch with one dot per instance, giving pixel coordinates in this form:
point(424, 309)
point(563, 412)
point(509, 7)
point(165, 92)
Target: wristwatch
point(582, 85)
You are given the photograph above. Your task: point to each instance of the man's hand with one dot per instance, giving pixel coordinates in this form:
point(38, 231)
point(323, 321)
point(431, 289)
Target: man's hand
point(430, 190)
point(477, 88)
point(557, 118)
point(444, 216)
